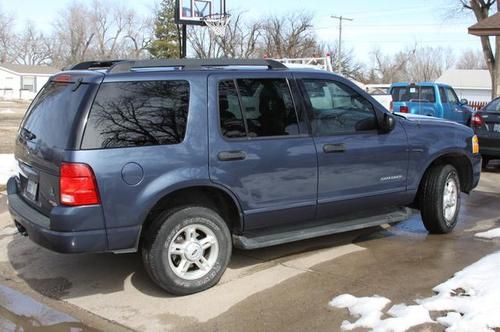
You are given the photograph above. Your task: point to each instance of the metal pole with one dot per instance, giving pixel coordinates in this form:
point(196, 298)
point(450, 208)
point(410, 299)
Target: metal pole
point(184, 41)
point(339, 55)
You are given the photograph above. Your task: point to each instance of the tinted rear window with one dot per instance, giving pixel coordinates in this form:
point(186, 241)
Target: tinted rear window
point(413, 94)
point(51, 116)
point(128, 114)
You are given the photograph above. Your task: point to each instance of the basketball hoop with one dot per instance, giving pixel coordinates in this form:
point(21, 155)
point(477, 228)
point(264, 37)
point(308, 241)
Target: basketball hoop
point(217, 23)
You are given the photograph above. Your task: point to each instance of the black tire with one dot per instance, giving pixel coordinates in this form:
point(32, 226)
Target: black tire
point(431, 200)
point(158, 262)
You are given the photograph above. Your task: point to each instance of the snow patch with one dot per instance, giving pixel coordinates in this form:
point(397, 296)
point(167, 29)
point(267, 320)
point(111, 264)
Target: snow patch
point(471, 299)
point(370, 311)
point(8, 167)
point(7, 111)
point(492, 233)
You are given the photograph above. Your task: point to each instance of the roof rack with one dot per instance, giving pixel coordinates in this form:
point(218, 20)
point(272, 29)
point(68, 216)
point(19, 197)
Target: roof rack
point(194, 64)
point(89, 65)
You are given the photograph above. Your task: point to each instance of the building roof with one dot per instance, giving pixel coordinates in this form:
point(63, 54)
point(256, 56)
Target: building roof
point(488, 27)
point(467, 79)
point(25, 69)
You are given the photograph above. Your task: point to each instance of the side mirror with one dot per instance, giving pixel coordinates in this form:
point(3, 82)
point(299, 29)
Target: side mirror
point(388, 123)
point(464, 101)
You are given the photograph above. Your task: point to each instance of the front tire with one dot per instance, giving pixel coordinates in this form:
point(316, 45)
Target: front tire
point(187, 250)
point(440, 199)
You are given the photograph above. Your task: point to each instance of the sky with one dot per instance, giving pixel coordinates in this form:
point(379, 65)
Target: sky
point(390, 25)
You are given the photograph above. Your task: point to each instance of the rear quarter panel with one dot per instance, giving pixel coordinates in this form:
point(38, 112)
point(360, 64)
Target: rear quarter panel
point(164, 168)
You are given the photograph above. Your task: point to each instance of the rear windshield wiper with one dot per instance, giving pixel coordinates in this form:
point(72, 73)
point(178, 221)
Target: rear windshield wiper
point(27, 135)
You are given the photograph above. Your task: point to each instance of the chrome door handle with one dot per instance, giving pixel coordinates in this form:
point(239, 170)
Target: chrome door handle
point(231, 155)
point(333, 148)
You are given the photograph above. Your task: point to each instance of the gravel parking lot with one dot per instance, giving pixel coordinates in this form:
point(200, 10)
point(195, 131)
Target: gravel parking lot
point(286, 286)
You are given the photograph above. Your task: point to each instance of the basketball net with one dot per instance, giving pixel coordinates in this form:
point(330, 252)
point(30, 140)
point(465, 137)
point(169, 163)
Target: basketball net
point(217, 23)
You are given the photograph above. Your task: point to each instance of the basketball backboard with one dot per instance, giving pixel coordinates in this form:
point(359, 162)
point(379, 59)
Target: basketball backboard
point(193, 12)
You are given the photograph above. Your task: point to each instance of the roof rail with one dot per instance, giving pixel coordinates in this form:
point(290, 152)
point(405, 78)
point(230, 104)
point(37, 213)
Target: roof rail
point(194, 64)
point(88, 65)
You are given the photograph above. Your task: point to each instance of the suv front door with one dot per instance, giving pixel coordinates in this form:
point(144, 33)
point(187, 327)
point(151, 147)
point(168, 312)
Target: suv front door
point(360, 167)
point(260, 148)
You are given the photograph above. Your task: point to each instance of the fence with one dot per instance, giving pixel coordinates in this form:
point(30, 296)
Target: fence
point(477, 105)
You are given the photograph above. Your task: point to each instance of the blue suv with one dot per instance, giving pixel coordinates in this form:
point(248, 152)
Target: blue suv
point(183, 159)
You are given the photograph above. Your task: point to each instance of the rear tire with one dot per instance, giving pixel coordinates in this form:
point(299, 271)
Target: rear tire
point(187, 250)
point(440, 199)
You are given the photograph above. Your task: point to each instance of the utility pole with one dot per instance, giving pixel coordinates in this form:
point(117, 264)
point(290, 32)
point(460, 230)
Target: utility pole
point(339, 55)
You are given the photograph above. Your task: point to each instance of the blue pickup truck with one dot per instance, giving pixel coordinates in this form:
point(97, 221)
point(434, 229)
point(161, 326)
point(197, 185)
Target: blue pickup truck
point(430, 99)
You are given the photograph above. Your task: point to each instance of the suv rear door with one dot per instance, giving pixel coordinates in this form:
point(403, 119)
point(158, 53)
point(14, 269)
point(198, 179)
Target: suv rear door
point(360, 167)
point(260, 148)
point(51, 126)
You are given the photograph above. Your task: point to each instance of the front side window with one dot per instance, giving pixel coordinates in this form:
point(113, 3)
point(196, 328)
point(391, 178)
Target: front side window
point(337, 109)
point(128, 114)
point(256, 108)
point(451, 96)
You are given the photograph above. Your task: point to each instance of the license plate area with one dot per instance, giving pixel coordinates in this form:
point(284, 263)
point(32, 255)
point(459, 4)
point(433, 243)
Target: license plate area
point(31, 190)
point(29, 182)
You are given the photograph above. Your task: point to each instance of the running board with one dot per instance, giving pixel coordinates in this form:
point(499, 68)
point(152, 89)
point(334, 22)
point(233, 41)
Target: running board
point(269, 238)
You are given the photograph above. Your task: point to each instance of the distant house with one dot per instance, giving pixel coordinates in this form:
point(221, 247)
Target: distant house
point(22, 81)
point(473, 85)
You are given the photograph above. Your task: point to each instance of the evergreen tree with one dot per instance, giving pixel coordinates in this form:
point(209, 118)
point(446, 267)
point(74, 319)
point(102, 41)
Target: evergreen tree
point(167, 33)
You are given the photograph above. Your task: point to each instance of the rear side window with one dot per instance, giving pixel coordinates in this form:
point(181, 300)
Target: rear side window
point(257, 108)
point(128, 114)
point(51, 116)
point(413, 93)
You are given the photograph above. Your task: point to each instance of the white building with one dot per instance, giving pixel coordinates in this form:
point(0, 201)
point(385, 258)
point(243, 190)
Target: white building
point(21, 81)
point(473, 85)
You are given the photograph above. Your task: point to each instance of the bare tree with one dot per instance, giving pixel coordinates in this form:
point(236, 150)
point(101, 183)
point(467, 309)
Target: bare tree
point(6, 36)
point(138, 36)
point(109, 26)
point(73, 33)
point(481, 10)
point(471, 59)
point(241, 40)
point(388, 69)
point(289, 36)
point(428, 63)
point(32, 47)
point(350, 66)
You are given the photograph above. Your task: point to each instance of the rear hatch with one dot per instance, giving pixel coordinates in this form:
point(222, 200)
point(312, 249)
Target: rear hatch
point(51, 127)
point(488, 128)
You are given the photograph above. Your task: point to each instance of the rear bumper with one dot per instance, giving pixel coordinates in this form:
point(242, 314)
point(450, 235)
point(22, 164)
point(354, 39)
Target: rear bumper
point(39, 230)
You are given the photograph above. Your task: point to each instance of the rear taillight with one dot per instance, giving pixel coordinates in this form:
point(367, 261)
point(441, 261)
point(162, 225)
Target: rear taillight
point(476, 120)
point(77, 185)
point(404, 109)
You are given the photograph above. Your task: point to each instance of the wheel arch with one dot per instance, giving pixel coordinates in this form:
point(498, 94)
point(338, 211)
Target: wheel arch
point(205, 194)
point(462, 164)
